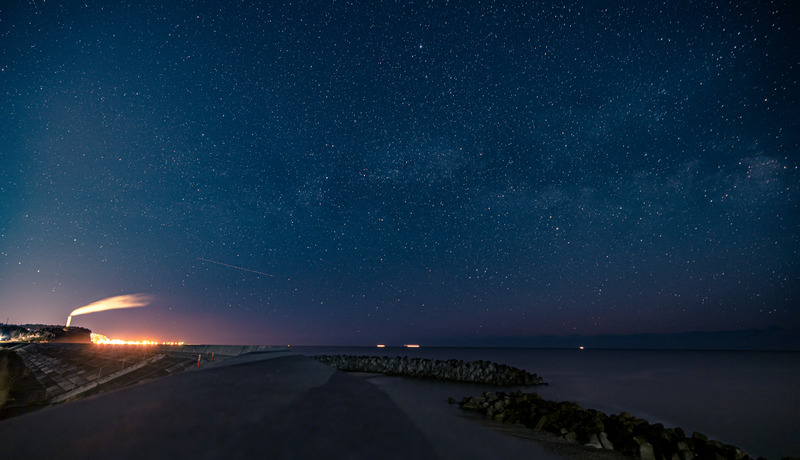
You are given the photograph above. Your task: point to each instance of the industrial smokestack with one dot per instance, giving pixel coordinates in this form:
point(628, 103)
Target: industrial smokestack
point(112, 303)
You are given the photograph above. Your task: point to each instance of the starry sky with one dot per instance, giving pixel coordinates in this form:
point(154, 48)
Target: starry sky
point(432, 172)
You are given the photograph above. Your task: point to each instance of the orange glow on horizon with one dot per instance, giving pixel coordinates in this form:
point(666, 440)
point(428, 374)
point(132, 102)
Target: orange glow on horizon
point(412, 345)
point(100, 339)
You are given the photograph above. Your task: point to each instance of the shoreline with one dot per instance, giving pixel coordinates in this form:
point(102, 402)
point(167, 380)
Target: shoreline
point(581, 428)
point(423, 400)
point(747, 399)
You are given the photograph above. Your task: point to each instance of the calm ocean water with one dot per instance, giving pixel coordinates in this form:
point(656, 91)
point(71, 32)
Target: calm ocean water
point(749, 399)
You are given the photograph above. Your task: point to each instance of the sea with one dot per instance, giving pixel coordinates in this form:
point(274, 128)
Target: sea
point(750, 399)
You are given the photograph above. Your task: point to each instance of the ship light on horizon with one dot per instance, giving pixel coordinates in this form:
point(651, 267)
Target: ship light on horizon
point(411, 345)
point(380, 345)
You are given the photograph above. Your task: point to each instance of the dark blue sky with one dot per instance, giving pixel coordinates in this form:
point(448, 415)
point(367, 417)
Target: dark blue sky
point(405, 172)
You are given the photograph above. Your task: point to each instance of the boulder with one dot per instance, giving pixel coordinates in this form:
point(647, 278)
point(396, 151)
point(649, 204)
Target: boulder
point(621, 432)
point(646, 451)
point(453, 370)
point(605, 442)
point(474, 403)
point(594, 441)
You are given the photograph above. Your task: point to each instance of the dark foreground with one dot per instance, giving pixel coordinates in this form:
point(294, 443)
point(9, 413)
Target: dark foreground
point(257, 405)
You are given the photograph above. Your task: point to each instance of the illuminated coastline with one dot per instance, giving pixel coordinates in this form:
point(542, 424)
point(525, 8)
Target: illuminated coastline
point(100, 339)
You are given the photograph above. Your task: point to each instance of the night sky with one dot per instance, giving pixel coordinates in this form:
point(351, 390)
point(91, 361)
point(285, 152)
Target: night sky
point(400, 172)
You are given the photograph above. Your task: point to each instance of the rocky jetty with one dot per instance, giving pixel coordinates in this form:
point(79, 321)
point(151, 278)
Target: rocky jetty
point(450, 370)
point(621, 432)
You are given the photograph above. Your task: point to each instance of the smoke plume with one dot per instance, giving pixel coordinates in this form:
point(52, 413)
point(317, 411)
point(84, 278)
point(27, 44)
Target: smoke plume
point(112, 303)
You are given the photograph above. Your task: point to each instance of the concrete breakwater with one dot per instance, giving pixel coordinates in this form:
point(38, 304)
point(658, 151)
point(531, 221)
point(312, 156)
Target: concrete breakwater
point(454, 370)
point(622, 432)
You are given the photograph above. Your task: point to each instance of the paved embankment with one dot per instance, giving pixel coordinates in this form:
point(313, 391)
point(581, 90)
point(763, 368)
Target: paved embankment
point(66, 372)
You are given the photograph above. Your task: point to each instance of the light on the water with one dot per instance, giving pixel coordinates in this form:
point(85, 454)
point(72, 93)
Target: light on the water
point(412, 345)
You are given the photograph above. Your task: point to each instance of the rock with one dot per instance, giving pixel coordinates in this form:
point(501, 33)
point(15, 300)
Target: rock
point(540, 424)
point(621, 432)
point(605, 442)
point(452, 370)
point(475, 403)
point(684, 451)
point(595, 425)
point(594, 441)
point(646, 451)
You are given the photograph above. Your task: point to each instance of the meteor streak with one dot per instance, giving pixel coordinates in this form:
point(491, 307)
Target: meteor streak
point(112, 303)
point(235, 266)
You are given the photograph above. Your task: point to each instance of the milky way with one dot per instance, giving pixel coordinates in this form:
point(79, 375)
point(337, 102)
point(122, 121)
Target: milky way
point(419, 172)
